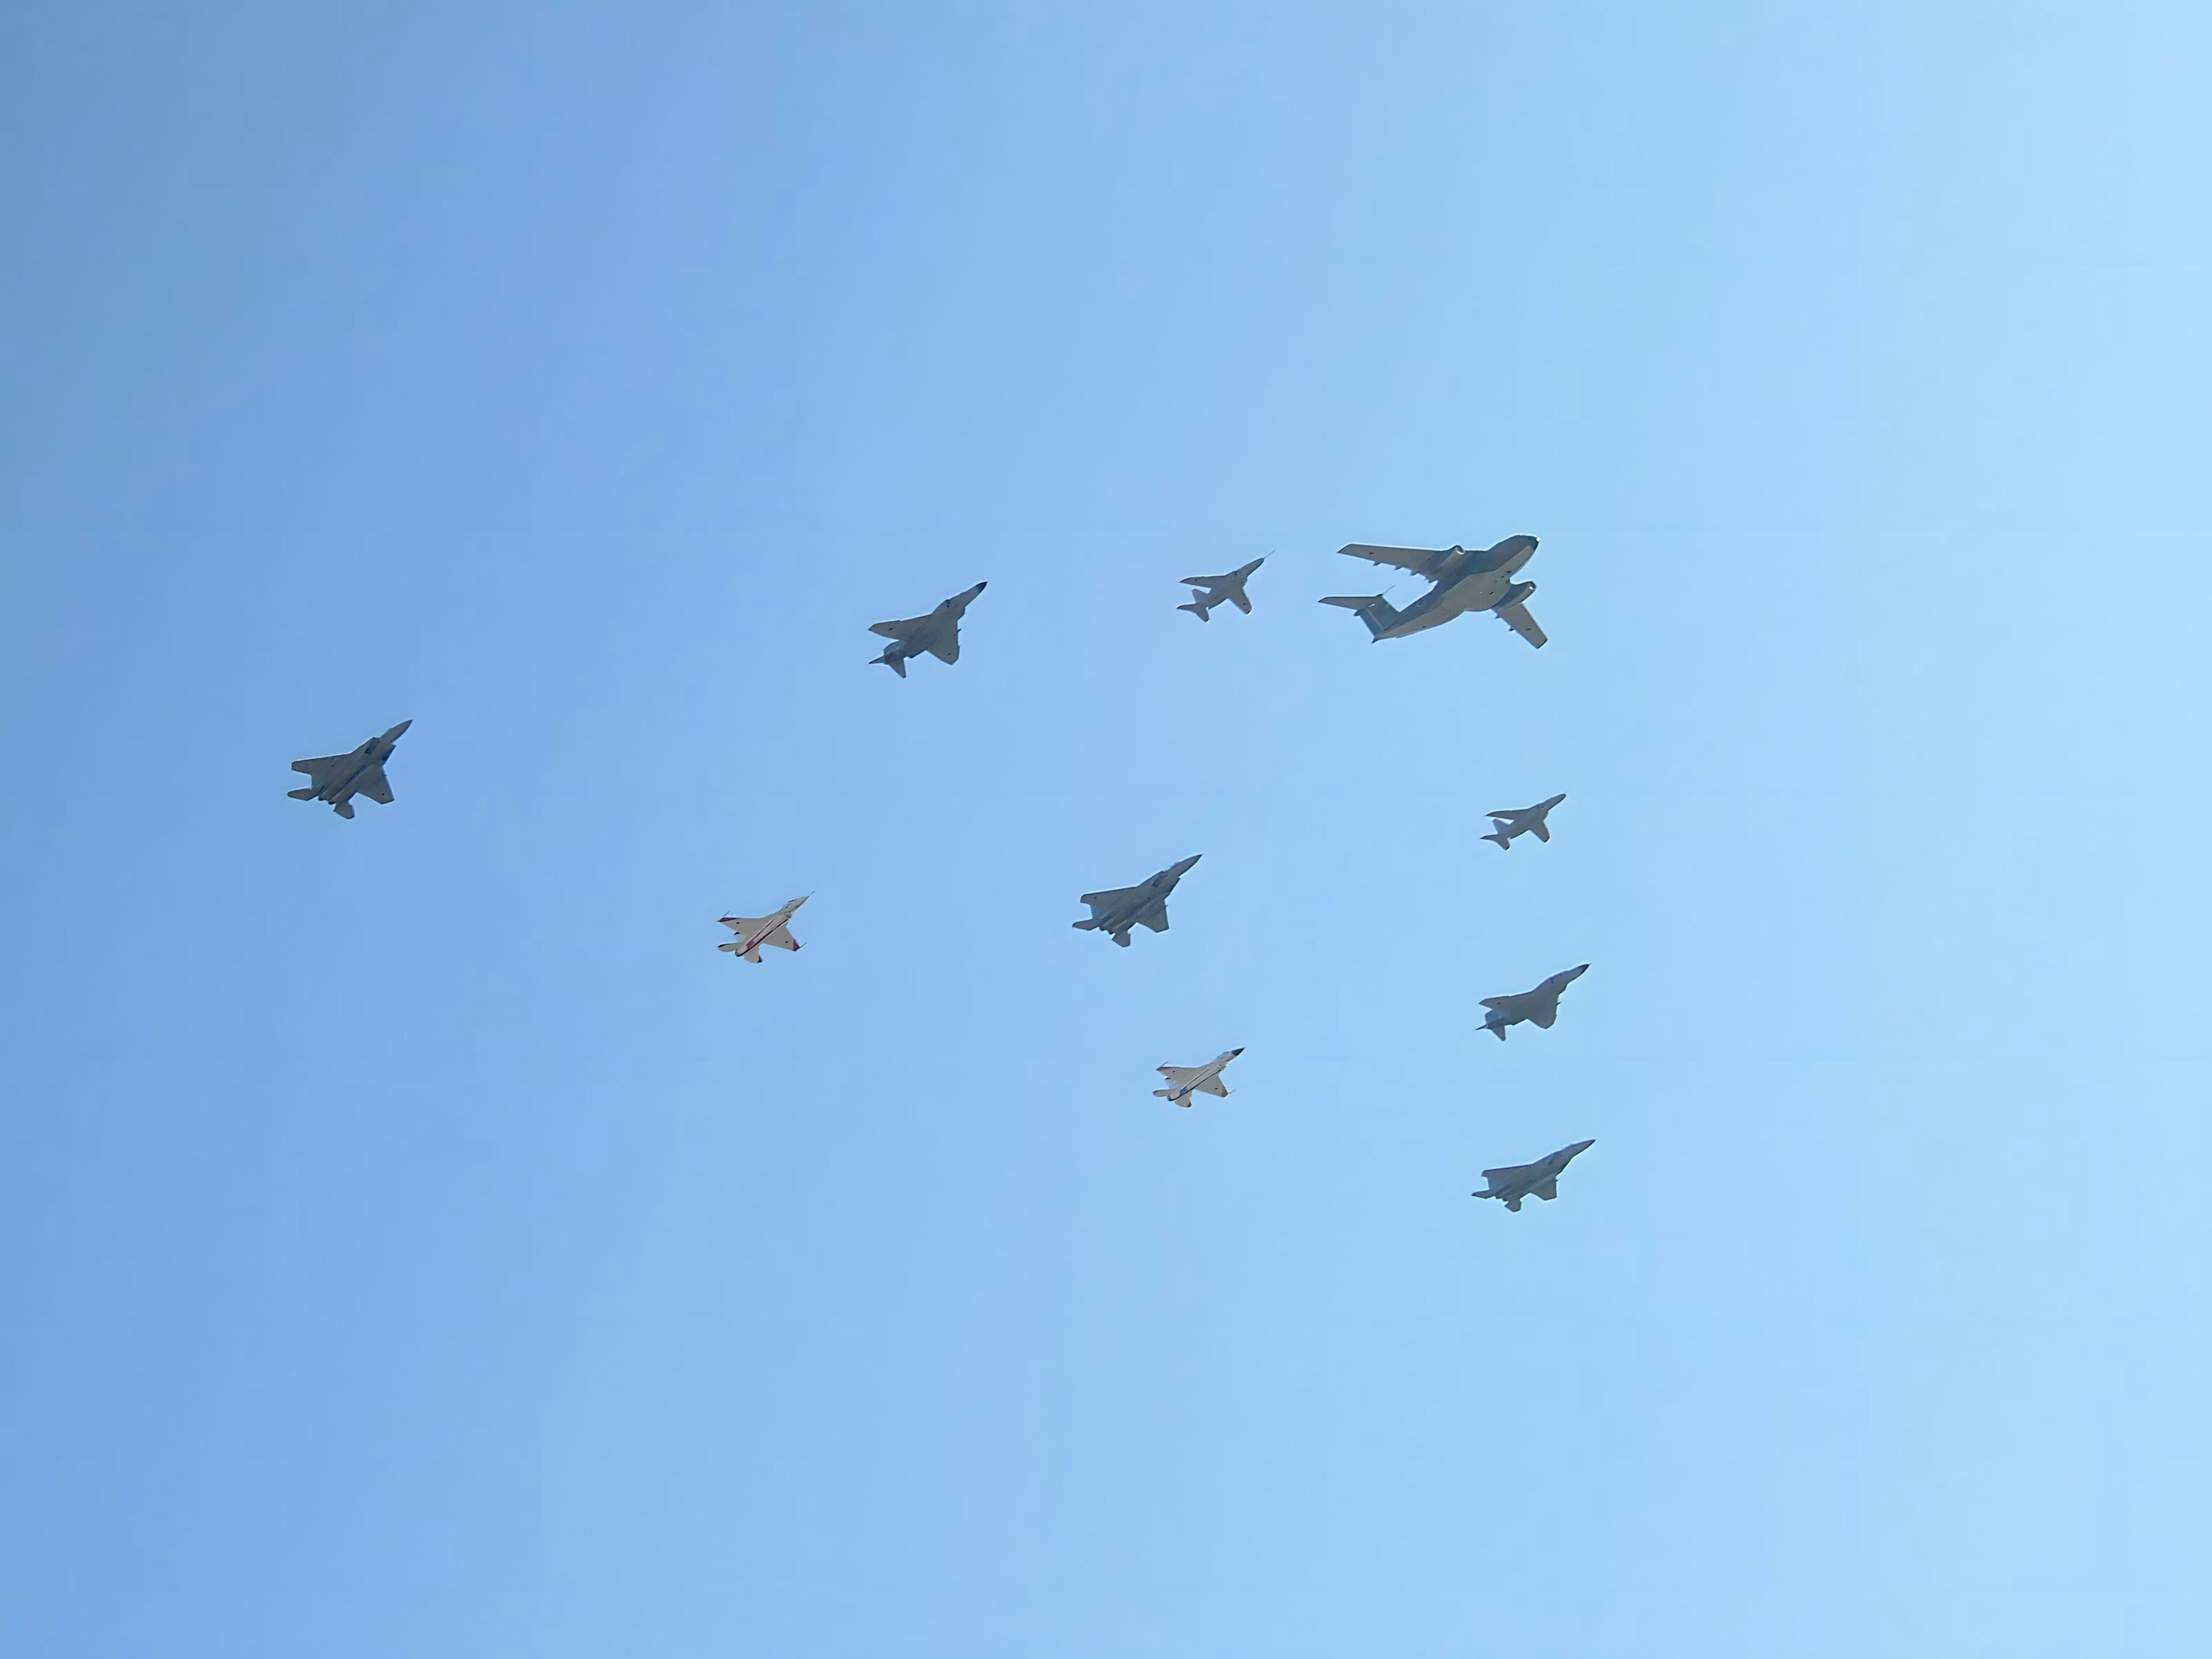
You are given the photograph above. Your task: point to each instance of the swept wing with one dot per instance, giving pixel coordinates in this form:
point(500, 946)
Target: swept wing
point(1421, 560)
point(374, 784)
point(1517, 618)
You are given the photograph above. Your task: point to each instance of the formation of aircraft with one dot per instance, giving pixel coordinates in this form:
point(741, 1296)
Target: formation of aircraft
point(1507, 823)
point(1460, 581)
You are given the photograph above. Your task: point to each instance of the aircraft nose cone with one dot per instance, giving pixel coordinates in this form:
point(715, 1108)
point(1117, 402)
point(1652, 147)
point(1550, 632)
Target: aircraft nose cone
point(398, 729)
point(1233, 1053)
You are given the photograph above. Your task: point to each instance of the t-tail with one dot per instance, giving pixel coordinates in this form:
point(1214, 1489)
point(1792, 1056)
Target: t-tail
point(1377, 612)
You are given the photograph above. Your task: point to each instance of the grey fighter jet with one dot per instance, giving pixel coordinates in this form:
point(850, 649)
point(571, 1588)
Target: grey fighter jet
point(1518, 1180)
point(1463, 581)
point(1183, 1081)
point(1506, 823)
point(753, 932)
point(938, 633)
point(338, 778)
point(1540, 1007)
point(1115, 912)
point(1220, 590)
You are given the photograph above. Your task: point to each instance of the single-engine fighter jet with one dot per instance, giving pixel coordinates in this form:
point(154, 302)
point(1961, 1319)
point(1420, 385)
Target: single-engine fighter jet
point(1116, 912)
point(1220, 590)
point(1518, 1180)
point(1463, 582)
point(338, 778)
point(1540, 1007)
point(1184, 1081)
point(753, 932)
point(938, 633)
point(1505, 823)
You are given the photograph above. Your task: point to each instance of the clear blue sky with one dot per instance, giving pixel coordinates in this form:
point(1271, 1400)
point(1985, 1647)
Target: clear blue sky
point(415, 1239)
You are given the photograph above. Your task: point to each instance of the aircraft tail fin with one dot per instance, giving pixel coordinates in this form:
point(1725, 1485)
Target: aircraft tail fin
point(1501, 838)
point(343, 808)
point(1197, 611)
point(1170, 1094)
point(1377, 612)
point(896, 665)
point(300, 794)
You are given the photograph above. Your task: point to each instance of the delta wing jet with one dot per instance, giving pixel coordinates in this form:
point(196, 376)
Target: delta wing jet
point(1460, 581)
point(1506, 823)
point(754, 932)
point(1541, 1179)
point(338, 778)
point(1540, 1007)
point(1183, 1081)
point(1210, 591)
point(938, 633)
point(1115, 912)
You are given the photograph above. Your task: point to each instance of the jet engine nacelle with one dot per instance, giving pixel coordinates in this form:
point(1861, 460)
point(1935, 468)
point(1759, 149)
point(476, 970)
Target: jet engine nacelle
point(1518, 591)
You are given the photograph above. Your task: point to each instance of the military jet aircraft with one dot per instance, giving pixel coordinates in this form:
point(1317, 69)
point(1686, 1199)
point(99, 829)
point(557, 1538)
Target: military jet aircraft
point(1183, 1081)
point(1463, 581)
point(1113, 912)
point(938, 633)
point(1540, 1007)
point(1506, 823)
point(1220, 590)
point(338, 778)
point(1518, 1180)
point(753, 932)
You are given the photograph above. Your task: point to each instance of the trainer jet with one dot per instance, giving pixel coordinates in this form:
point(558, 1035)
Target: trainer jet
point(753, 932)
point(1541, 1179)
point(1183, 1081)
point(1540, 1007)
point(338, 778)
point(1220, 590)
point(1115, 912)
point(1462, 581)
point(938, 633)
point(1506, 823)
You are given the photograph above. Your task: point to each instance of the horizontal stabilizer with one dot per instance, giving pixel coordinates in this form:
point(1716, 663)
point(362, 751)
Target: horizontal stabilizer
point(1170, 1094)
point(1501, 838)
point(302, 794)
point(1377, 612)
point(1195, 610)
point(343, 808)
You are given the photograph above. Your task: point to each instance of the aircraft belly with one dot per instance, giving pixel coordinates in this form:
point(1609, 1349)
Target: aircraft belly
point(1416, 620)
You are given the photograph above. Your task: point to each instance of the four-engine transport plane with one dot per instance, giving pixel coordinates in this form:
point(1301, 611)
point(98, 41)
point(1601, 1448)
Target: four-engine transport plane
point(338, 778)
point(1183, 1081)
point(753, 932)
point(1463, 582)
point(1220, 590)
point(1506, 822)
point(1540, 1007)
point(1115, 911)
point(938, 633)
point(1518, 1180)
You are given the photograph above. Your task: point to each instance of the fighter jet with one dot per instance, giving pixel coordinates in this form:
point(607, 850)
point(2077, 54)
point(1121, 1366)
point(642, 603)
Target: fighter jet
point(938, 633)
point(1116, 912)
point(1463, 582)
point(753, 932)
point(338, 778)
point(1183, 1081)
point(1540, 1007)
point(1220, 590)
point(1506, 823)
point(1517, 1180)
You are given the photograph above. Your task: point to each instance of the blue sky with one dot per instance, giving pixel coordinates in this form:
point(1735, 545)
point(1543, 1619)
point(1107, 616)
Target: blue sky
point(414, 1238)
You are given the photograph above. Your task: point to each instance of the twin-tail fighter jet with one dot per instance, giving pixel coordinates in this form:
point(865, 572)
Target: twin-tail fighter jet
point(1541, 1179)
point(1506, 823)
point(338, 778)
point(938, 633)
point(1462, 581)
point(1211, 590)
point(1184, 1081)
point(754, 932)
point(1540, 1007)
point(1115, 912)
